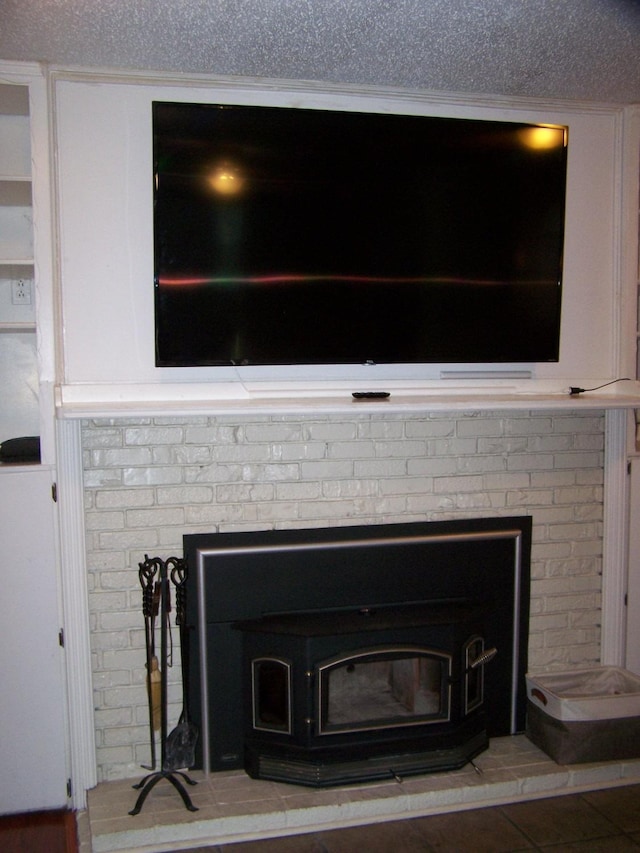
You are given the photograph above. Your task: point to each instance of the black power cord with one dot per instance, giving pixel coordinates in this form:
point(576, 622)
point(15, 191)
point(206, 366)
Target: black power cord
point(574, 391)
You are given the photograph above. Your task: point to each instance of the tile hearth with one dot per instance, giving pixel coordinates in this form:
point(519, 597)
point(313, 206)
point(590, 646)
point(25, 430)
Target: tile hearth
point(233, 807)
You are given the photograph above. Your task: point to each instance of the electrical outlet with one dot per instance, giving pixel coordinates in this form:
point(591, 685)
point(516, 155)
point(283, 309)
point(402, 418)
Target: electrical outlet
point(21, 292)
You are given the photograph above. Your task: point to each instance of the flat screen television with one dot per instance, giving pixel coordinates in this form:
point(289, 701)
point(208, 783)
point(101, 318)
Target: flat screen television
point(291, 236)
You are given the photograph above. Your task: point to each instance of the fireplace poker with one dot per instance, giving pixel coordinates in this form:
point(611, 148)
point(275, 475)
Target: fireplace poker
point(147, 574)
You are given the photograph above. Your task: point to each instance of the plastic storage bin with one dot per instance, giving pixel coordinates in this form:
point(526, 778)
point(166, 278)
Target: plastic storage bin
point(585, 715)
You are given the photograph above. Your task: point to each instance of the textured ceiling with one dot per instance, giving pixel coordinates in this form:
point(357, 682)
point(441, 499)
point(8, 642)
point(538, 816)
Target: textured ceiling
point(578, 49)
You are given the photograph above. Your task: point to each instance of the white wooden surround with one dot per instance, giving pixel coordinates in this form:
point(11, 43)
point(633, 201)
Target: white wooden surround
point(93, 215)
point(103, 147)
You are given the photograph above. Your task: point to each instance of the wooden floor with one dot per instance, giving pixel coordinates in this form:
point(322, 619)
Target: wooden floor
point(39, 832)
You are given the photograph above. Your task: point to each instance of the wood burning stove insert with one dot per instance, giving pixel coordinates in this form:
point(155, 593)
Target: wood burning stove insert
point(328, 656)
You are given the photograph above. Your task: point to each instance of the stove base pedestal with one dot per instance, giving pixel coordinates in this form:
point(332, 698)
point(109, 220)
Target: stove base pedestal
point(322, 772)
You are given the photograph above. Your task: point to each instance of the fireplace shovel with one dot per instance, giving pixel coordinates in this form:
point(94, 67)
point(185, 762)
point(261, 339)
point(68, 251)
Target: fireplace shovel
point(179, 752)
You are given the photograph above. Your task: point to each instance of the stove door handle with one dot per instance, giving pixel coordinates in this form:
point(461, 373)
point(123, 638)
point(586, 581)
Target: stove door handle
point(483, 657)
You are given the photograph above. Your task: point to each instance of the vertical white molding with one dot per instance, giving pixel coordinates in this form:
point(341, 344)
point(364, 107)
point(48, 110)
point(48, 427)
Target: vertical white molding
point(616, 497)
point(614, 546)
point(76, 611)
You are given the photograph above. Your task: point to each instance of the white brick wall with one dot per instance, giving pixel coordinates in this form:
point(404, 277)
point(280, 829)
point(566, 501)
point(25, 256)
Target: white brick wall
point(149, 481)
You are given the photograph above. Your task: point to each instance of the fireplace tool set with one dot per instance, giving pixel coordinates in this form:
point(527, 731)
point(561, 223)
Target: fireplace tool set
point(177, 748)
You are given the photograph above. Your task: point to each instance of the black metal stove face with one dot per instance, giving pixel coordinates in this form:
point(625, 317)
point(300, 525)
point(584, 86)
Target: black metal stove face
point(320, 687)
point(386, 570)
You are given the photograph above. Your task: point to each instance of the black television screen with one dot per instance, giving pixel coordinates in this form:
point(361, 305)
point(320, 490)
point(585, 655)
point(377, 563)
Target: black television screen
point(304, 236)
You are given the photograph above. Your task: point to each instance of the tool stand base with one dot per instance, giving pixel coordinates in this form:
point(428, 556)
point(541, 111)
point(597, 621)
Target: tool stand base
point(152, 780)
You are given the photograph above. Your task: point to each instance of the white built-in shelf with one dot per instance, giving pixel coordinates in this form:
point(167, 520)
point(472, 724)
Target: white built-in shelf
point(95, 402)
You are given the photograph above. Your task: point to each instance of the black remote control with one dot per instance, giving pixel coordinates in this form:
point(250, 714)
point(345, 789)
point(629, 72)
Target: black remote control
point(370, 395)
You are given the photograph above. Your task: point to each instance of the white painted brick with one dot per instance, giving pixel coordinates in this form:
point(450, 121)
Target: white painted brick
point(380, 468)
point(244, 453)
point(381, 429)
point(548, 443)
point(430, 428)
point(273, 432)
point(587, 547)
point(104, 520)
point(298, 451)
point(242, 492)
point(302, 491)
point(574, 532)
point(479, 426)
point(473, 500)
point(189, 455)
point(114, 621)
point(405, 449)
point(552, 479)
point(102, 477)
point(573, 566)
point(529, 497)
point(101, 640)
point(477, 463)
point(530, 462)
point(330, 430)
point(208, 435)
point(102, 438)
point(114, 717)
point(151, 476)
point(591, 476)
point(545, 621)
point(570, 637)
point(158, 517)
point(528, 426)
point(283, 511)
point(213, 473)
point(326, 469)
point(349, 488)
point(116, 757)
point(506, 480)
point(578, 423)
point(152, 435)
point(184, 495)
point(103, 600)
point(283, 472)
point(452, 447)
point(591, 441)
point(212, 515)
point(122, 735)
point(427, 504)
point(508, 444)
point(430, 466)
point(355, 450)
point(578, 460)
point(124, 498)
point(107, 560)
point(121, 457)
point(406, 486)
point(555, 603)
point(584, 654)
point(140, 540)
point(456, 485)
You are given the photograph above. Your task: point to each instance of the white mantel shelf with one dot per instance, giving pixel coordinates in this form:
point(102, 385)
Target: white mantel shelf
point(78, 406)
